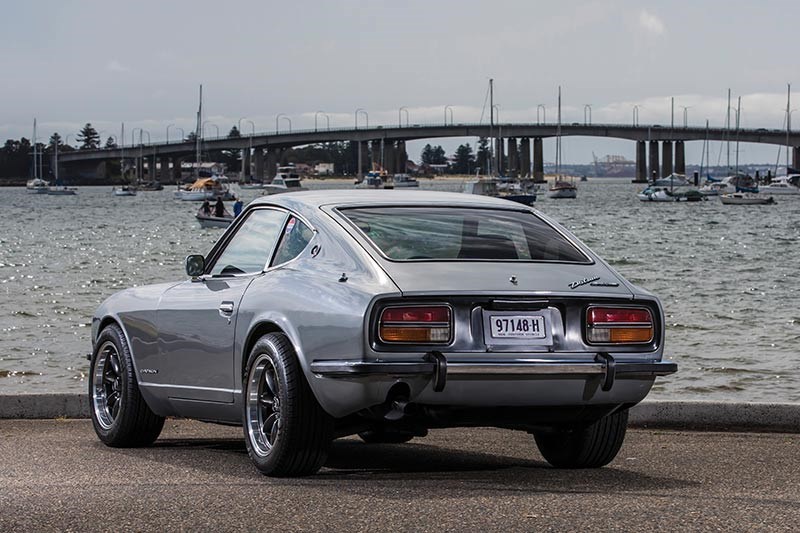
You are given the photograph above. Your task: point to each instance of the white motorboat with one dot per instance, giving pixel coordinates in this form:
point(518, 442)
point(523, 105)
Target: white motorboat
point(205, 189)
point(125, 190)
point(287, 180)
point(781, 185)
point(37, 186)
point(746, 198)
point(209, 220)
point(62, 190)
point(374, 180)
point(655, 194)
point(563, 189)
point(401, 181)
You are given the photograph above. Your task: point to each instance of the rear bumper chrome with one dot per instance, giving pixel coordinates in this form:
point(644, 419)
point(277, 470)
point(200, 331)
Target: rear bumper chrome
point(438, 367)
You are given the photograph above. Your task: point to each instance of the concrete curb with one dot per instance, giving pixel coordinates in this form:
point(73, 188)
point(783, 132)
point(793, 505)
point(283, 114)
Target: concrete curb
point(702, 416)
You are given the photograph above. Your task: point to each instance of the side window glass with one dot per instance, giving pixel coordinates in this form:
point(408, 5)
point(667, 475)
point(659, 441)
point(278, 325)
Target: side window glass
point(295, 237)
point(250, 248)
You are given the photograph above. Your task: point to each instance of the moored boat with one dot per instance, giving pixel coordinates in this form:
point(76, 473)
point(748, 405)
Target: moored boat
point(287, 180)
point(781, 185)
point(563, 189)
point(205, 189)
point(37, 186)
point(673, 180)
point(125, 190)
point(209, 220)
point(62, 190)
point(401, 181)
point(746, 198)
point(500, 189)
point(656, 194)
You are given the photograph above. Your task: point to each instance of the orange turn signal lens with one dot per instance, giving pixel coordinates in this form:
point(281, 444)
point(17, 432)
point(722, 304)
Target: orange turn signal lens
point(638, 335)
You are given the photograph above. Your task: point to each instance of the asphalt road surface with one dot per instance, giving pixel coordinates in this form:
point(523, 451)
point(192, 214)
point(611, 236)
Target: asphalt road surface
point(56, 475)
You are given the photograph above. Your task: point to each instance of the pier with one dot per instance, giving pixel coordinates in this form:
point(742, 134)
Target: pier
point(660, 150)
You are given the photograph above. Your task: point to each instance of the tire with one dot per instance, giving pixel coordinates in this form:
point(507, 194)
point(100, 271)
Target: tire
point(588, 447)
point(381, 435)
point(120, 416)
point(287, 432)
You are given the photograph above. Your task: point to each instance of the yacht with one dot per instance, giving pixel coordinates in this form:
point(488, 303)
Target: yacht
point(287, 180)
point(782, 185)
point(563, 189)
point(520, 192)
point(38, 186)
point(401, 181)
point(746, 198)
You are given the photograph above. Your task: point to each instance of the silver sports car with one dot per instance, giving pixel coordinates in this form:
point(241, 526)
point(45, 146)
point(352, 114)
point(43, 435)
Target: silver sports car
point(381, 313)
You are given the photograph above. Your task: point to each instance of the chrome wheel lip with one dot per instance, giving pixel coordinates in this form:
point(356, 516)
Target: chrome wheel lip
point(107, 385)
point(263, 405)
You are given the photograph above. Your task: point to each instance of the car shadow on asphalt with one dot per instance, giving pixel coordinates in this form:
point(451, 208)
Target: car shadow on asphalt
point(351, 464)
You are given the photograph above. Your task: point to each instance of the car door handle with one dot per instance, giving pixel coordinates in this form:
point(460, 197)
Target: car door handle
point(226, 308)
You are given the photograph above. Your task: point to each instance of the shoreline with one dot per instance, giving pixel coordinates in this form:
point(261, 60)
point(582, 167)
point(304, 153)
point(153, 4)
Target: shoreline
point(658, 414)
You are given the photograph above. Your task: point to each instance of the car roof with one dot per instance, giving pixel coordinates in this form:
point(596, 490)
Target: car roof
point(352, 197)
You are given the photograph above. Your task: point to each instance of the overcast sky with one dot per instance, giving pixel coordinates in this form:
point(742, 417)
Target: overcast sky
point(105, 62)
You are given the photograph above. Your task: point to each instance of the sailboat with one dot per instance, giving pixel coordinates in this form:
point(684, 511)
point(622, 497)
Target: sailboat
point(36, 185)
point(513, 189)
point(60, 189)
point(561, 187)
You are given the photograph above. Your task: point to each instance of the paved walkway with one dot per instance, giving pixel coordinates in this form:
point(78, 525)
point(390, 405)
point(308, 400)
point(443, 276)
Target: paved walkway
point(56, 475)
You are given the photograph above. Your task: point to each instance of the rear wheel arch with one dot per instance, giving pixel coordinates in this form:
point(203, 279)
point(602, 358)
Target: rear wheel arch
point(258, 331)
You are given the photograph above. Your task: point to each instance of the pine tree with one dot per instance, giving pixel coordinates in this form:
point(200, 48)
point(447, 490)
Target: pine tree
point(88, 137)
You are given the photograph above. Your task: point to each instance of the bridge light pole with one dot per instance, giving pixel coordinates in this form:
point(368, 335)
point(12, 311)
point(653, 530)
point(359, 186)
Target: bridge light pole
point(496, 108)
point(636, 114)
point(277, 119)
point(203, 128)
point(446, 108)
point(544, 113)
point(315, 119)
point(587, 107)
point(400, 117)
point(168, 127)
point(366, 115)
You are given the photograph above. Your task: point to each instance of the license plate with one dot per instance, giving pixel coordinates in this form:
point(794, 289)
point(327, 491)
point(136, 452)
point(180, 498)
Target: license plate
point(517, 327)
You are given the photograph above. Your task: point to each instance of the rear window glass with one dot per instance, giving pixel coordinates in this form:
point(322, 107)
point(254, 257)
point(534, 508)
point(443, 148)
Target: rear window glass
point(412, 233)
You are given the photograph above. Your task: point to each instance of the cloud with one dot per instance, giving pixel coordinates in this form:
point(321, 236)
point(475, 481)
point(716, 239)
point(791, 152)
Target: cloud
point(116, 66)
point(651, 23)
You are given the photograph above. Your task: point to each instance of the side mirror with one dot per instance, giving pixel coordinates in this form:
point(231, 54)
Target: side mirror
point(195, 265)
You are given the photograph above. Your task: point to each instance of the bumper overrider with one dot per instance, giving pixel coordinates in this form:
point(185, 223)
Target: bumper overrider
point(439, 369)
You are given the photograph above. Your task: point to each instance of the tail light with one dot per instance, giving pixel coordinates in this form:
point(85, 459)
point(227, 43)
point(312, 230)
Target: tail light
point(619, 325)
point(415, 324)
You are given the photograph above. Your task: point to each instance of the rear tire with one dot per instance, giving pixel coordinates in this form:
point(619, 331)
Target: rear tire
point(587, 447)
point(120, 416)
point(286, 430)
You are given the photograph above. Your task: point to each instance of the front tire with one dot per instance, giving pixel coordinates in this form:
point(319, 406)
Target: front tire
point(120, 416)
point(588, 447)
point(286, 430)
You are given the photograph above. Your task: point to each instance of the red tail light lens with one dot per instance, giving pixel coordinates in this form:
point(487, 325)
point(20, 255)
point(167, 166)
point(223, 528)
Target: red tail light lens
point(415, 324)
point(619, 325)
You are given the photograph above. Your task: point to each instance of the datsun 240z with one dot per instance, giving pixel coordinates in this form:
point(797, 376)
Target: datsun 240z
point(381, 313)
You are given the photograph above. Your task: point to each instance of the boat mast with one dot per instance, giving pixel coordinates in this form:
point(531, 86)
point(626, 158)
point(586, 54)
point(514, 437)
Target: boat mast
point(728, 129)
point(491, 126)
point(122, 152)
point(197, 133)
point(788, 123)
point(35, 159)
point(558, 136)
point(55, 158)
point(738, 112)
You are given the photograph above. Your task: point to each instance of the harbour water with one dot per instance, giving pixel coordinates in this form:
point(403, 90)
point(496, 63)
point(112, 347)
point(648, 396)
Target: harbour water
point(727, 276)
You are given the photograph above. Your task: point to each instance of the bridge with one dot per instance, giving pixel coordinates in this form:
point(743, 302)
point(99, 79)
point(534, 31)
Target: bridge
point(659, 149)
